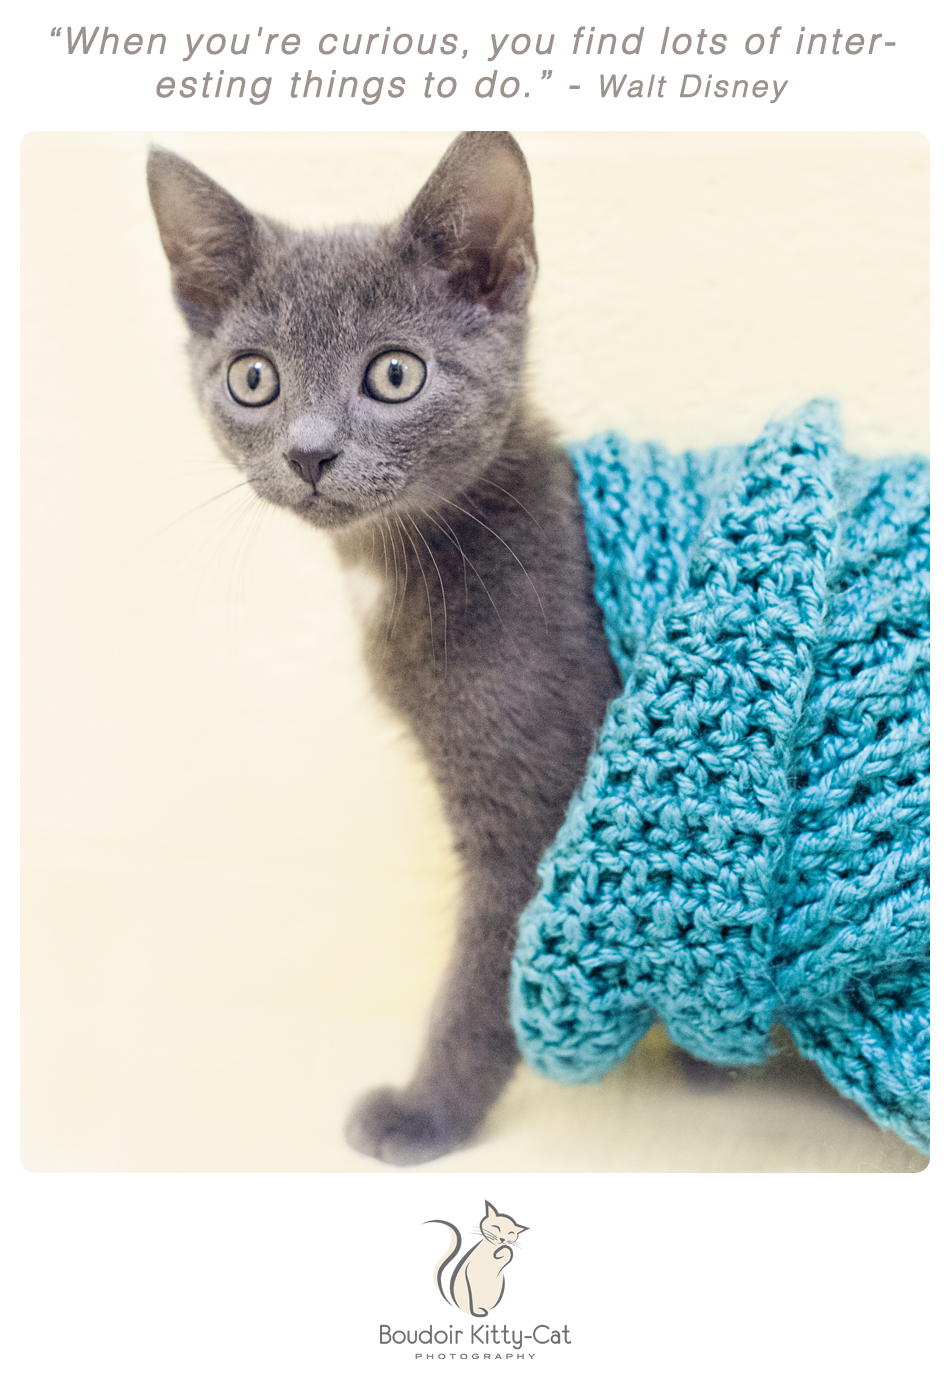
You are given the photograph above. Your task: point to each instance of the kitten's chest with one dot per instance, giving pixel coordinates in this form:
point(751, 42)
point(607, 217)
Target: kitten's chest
point(413, 620)
point(369, 593)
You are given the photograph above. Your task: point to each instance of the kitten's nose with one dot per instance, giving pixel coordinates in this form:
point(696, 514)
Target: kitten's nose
point(311, 465)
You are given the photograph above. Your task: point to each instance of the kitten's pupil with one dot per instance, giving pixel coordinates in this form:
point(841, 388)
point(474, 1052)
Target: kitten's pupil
point(253, 376)
point(397, 373)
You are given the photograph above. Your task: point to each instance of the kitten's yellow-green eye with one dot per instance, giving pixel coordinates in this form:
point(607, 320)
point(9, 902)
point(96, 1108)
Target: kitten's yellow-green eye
point(253, 381)
point(395, 376)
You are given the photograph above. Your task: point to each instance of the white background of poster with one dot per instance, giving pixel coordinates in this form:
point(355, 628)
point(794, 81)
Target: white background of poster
point(292, 1274)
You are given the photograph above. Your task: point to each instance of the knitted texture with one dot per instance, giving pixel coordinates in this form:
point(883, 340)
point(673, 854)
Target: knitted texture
point(750, 843)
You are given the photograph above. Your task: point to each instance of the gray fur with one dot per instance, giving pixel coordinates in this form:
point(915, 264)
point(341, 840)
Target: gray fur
point(487, 638)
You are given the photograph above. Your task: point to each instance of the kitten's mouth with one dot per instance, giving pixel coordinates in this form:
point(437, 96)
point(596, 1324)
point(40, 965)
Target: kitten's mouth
point(356, 507)
point(322, 508)
point(308, 504)
point(327, 510)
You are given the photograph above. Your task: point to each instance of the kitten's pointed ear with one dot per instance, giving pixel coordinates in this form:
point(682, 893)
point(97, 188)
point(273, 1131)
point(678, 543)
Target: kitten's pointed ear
point(473, 221)
point(489, 1209)
point(207, 236)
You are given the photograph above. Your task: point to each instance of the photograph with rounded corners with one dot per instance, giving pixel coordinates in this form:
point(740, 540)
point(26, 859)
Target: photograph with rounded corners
point(476, 632)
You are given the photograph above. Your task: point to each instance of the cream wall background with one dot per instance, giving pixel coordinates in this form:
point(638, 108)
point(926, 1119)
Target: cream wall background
point(237, 883)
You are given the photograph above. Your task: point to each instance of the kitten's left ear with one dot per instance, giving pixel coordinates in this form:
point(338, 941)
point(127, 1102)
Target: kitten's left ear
point(489, 1209)
point(207, 235)
point(473, 221)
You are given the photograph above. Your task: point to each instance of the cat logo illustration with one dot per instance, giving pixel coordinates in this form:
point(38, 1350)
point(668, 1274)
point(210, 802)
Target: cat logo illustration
point(477, 1282)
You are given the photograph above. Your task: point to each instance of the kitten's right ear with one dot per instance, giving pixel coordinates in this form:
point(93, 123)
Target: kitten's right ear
point(473, 221)
point(207, 236)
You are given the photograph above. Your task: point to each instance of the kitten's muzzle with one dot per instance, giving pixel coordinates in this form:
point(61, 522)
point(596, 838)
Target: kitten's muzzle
point(311, 465)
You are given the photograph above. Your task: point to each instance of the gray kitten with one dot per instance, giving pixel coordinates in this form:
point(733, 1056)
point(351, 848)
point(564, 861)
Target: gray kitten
point(372, 380)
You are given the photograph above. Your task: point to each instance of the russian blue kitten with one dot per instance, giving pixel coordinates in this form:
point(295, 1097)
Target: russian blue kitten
point(371, 379)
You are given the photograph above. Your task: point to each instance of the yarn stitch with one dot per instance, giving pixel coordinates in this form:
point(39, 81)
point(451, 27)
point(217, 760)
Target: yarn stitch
point(750, 843)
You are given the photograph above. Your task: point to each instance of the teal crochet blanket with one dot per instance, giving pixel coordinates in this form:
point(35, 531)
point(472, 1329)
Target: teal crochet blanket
point(750, 843)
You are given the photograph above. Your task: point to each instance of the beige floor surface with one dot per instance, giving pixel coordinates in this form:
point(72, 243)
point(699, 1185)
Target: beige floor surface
point(237, 882)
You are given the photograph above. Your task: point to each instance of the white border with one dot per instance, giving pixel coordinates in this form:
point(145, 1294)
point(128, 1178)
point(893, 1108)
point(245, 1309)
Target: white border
point(286, 1274)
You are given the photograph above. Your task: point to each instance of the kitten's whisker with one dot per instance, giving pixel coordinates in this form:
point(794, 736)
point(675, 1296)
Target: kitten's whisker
point(445, 607)
point(385, 560)
point(225, 522)
point(392, 608)
point(445, 528)
point(235, 600)
point(260, 514)
point(405, 580)
point(231, 530)
point(485, 480)
point(224, 527)
point(493, 533)
point(402, 574)
point(148, 541)
point(207, 503)
point(424, 580)
point(176, 477)
point(470, 562)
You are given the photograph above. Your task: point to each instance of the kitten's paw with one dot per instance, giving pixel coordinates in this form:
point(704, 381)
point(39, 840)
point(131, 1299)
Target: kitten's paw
point(386, 1125)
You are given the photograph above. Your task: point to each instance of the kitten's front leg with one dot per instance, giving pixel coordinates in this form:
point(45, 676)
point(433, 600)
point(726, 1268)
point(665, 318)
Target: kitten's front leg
point(470, 1052)
point(506, 723)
